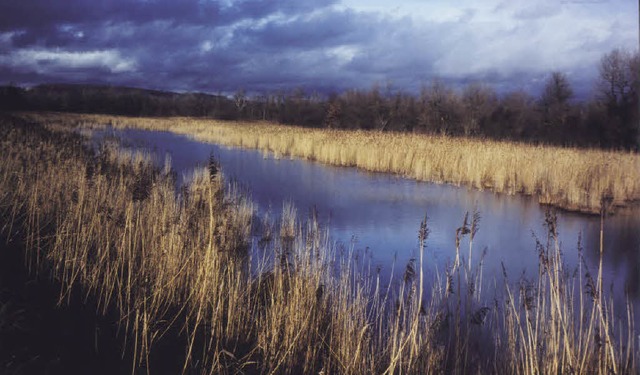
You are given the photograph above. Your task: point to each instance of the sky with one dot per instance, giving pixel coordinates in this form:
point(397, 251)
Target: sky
point(319, 45)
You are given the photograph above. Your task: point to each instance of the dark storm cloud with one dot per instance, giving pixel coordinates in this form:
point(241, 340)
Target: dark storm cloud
point(17, 14)
point(322, 45)
point(37, 13)
point(316, 30)
point(170, 44)
point(46, 23)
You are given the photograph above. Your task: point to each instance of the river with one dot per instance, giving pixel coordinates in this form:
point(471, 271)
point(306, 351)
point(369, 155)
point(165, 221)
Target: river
point(380, 214)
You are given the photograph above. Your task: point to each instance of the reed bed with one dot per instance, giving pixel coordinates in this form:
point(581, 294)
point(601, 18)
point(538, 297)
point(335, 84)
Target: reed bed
point(572, 179)
point(109, 225)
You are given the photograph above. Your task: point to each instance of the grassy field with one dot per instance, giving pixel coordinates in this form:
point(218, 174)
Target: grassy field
point(293, 305)
point(572, 179)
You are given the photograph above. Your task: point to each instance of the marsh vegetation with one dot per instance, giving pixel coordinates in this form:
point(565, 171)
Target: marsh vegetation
point(299, 305)
point(569, 178)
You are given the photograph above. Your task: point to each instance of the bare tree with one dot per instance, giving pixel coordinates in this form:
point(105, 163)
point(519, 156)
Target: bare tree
point(515, 117)
point(555, 99)
point(617, 88)
point(240, 100)
point(440, 108)
point(478, 101)
point(557, 90)
point(379, 108)
point(332, 117)
point(262, 101)
point(403, 112)
point(616, 77)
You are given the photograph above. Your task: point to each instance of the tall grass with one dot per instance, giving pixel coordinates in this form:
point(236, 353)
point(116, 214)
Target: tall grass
point(109, 224)
point(573, 179)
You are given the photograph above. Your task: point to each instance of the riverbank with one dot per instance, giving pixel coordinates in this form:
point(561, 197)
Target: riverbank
point(572, 179)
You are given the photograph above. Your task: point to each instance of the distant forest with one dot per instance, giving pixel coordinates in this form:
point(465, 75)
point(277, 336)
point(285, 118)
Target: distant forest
point(610, 119)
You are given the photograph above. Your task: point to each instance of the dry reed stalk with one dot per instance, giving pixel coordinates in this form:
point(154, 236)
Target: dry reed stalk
point(302, 308)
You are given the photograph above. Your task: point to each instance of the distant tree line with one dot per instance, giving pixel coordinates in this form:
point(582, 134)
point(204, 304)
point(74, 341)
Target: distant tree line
point(610, 119)
point(114, 100)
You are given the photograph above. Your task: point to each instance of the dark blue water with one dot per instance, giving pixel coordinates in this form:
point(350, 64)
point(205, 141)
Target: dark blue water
point(382, 213)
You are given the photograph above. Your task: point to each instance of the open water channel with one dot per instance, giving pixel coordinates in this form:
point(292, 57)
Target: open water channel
point(380, 214)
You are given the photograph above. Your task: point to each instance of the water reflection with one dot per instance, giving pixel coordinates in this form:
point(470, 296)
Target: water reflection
point(383, 213)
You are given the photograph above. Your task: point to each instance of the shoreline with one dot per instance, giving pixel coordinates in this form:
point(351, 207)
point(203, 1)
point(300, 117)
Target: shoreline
point(570, 179)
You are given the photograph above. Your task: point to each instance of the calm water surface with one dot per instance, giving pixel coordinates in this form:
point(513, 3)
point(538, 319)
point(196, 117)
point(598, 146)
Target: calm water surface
point(382, 213)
